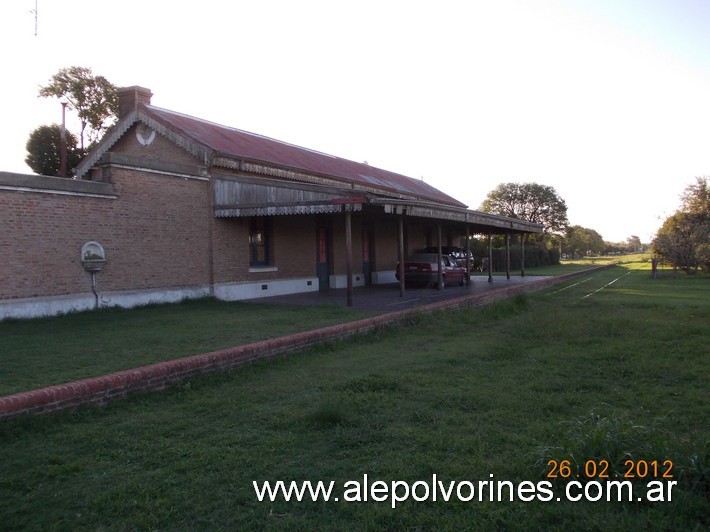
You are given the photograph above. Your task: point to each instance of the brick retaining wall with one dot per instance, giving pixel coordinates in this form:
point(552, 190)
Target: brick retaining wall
point(99, 390)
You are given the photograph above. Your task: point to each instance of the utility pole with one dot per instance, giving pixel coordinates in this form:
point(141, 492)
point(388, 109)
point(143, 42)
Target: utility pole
point(63, 144)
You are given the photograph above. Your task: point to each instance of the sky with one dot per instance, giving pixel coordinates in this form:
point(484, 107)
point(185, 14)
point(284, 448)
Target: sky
point(606, 101)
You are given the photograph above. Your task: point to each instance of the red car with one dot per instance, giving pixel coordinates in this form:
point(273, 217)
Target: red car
point(421, 268)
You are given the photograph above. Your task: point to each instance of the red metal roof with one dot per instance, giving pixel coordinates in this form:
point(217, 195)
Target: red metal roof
point(237, 144)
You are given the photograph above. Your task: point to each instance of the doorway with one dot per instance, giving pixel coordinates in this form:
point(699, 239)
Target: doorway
point(322, 257)
point(368, 258)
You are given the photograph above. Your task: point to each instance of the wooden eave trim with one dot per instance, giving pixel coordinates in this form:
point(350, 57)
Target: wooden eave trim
point(270, 170)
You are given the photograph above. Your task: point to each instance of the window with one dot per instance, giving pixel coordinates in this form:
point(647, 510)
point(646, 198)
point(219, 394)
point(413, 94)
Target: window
point(259, 241)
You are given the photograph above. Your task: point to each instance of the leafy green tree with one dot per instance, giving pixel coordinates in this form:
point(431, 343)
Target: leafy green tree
point(94, 98)
point(615, 248)
point(580, 241)
point(43, 154)
point(634, 244)
point(529, 201)
point(684, 237)
point(675, 241)
point(696, 199)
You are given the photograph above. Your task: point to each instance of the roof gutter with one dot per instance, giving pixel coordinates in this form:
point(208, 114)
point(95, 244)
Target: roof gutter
point(456, 214)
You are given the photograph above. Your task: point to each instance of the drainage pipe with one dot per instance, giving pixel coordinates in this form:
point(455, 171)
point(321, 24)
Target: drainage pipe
point(93, 289)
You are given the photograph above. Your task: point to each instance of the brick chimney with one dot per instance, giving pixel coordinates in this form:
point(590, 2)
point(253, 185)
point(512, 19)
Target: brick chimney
point(130, 97)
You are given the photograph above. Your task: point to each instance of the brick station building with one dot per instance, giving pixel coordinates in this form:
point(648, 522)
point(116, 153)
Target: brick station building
point(169, 206)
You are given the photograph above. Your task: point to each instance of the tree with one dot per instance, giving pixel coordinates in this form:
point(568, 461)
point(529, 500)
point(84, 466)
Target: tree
point(684, 237)
point(94, 98)
point(43, 150)
point(615, 248)
point(696, 199)
point(581, 241)
point(529, 201)
point(634, 243)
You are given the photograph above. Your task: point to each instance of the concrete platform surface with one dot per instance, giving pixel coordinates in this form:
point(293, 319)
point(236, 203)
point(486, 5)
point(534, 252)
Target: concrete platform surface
point(386, 298)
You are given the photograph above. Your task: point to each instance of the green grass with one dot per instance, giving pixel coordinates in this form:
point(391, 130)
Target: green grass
point(42, 352)
point(640, 260)
point(497, 390)
point(631, 258)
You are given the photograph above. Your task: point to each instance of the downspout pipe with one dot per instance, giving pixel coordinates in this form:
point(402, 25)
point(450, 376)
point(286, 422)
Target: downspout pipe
point(93, 289)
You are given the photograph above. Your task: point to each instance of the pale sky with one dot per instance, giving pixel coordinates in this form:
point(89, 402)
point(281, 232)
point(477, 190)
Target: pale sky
point(607, 101)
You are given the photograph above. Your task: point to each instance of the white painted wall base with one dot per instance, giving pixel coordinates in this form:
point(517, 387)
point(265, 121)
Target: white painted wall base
point(51, 306)
point(341, 281)
point(138, 298)
point(36, 307)
point(279, 287)
point(384, 277)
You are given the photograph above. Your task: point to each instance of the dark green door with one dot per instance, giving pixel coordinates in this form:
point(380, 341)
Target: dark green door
point(322, 262)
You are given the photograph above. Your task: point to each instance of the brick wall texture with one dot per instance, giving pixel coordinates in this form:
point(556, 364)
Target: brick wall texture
point(154, 234)
point(158, 232)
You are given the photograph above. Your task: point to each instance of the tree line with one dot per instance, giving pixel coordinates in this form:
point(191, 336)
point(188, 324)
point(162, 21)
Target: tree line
point(542, 204)
point(684, 237)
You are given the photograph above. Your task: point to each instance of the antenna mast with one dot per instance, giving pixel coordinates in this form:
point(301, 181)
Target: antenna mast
point(34, 11)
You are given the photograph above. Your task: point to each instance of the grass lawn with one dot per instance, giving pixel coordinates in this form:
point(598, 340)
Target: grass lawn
point(42, 352)
point(606, 368)
point(46, 351)
point(637, 260)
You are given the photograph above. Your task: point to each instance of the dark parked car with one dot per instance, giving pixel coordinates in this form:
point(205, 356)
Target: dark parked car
point(458, 254)
point(421, 268)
